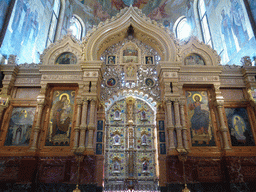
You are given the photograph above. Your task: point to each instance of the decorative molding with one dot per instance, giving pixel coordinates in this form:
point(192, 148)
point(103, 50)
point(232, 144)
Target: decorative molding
point(28, 81)
point(199, 78)
point(62, 77)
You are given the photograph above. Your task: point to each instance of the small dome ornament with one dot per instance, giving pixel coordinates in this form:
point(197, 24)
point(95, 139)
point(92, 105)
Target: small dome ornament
point(77, 190)
point(185, 189)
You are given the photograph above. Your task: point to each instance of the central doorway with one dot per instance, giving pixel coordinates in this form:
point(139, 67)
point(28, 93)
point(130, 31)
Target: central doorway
point(130, 150)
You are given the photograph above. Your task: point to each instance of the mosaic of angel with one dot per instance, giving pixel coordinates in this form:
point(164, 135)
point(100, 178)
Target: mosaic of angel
point(61, 118)
point(20, 126)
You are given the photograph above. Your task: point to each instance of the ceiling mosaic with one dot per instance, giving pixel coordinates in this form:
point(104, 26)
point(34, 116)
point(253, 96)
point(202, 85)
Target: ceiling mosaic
point(164, 11)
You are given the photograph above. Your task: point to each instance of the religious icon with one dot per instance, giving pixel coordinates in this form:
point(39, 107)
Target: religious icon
point(111, 82)
point(100, 125)
point(194, 59)
point(199, 118)
point(20, 126)
point(161, 125)
point(143, 116)
point(145, 166)
point(162, 149)
point(4, 101)
point(116, 140)
point(130, 71)
point(99, 136)
point(66, 58)
point(162, 136)
point(111, 60)
point(116, 166)
point(239, 127)
point(98, 148)
point(149, 60)
point(144, 140)
point(117, 115)
point(130, 55)
point(149, 82)
point(60, 118)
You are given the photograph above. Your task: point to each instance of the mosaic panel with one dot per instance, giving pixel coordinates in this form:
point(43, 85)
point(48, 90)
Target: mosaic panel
point(149, 158)
point(111, 163)
point(119, 106)
point(112, 132)
point(145, 115)
point(149, 138)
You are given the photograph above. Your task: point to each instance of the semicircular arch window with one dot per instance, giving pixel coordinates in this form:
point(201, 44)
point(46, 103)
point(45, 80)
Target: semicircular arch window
point(66, 58)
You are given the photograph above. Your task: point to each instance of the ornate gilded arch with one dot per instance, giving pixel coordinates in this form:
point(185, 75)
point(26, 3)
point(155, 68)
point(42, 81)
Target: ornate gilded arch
point(115, 29)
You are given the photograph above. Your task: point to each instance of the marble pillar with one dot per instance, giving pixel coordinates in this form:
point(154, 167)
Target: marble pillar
point(178, 126)
point(183, 122)
point(83, 126)
point(40, 106)
point(223, 128)
point(91, 126)
point(78, 120)
point(170, 126)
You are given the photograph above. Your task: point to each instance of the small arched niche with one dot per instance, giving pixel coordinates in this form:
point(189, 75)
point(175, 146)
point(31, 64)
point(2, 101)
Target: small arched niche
point(66, 58)
point(194, 59)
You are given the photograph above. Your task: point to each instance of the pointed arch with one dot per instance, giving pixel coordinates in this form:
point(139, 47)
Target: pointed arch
point(114, 30)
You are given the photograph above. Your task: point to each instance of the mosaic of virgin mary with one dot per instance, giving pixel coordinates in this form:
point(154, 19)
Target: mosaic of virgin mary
point(60, 118)
point(199, 118)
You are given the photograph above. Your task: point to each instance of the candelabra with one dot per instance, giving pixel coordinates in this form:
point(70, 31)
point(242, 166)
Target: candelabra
point(183, 158)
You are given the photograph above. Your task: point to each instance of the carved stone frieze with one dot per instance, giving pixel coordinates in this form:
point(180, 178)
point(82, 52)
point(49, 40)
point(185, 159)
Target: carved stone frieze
point(170, 74)
point(199, 78)
point(29, 66)
point(232, 81)
point(62, 77)
point(91, 74)
point(28, 81)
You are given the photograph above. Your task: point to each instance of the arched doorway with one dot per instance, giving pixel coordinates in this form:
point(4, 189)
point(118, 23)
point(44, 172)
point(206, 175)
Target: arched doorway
point(130, 148)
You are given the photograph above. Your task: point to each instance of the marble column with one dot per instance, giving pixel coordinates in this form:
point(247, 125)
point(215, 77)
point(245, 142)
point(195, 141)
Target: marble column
point(183, 122)
point(78, 120)
point(223, 128)
point(170, 126)
point(178, 125)
point(40, 106)
point(83, 126)
point(91, 126)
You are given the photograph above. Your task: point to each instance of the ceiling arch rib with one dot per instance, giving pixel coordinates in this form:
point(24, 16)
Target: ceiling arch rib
point(115, 29)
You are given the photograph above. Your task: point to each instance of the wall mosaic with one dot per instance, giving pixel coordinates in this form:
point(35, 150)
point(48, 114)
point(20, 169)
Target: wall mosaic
point(27, 30)
point(122, 80)
point(199, 118)
point(119, 107)
point(239, 127)
point(145, 114)
point(20, 126)
point(120, 171)
point(252, 4)
point(230, 29)
point(5, 10)
point(61, 118)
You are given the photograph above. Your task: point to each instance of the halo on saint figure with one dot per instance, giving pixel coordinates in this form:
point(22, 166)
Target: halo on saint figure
point(57, 93)
point(198, 96)
point(203, 93)
point(60, 97)
point(189, 94)
point(73, 93)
